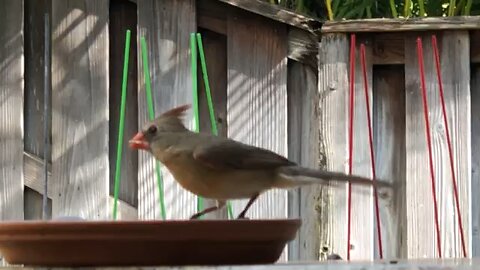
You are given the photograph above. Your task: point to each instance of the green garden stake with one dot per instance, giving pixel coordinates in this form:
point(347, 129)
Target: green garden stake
point(196, 122)
point(118, 165)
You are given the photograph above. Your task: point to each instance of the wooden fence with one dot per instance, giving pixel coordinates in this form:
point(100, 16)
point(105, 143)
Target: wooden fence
point(250, 58)
point(254, 62)
point(399, 135)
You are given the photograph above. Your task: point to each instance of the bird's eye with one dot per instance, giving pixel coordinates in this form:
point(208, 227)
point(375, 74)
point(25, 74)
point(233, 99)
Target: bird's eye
point(152, 129)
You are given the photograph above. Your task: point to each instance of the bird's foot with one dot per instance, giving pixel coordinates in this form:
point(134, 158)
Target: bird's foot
point(196, 216)
point(243, 217)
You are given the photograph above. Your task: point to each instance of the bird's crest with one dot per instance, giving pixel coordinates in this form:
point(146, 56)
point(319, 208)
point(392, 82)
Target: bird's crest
point(171, 120)
point(177, 112)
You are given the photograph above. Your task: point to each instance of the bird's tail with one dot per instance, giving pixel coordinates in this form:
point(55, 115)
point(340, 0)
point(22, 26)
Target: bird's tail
point(293, 176)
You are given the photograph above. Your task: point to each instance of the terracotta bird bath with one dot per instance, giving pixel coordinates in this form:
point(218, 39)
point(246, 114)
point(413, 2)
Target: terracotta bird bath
point(145, 243)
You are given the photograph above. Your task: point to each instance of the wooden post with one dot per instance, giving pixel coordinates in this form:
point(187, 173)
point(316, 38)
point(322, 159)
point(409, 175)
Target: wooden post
point(334, 106)
point(80, 108)
point(257, 97)
point(455, 65)
point(303, 142)
point(11, 110)
point(168, 45)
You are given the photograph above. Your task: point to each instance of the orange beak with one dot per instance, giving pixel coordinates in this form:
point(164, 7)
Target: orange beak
point(138, 142)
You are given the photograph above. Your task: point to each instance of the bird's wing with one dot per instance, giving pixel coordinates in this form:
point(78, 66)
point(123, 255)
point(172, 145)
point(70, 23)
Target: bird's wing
point(229, 154)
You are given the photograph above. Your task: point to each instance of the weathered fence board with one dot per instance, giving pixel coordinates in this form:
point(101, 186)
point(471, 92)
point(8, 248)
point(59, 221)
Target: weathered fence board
point(11, 110)
point(33, 170)
point(123, 16)
point(396, 25)
point(302, 42)
point(34, 76)
point(303, 146)
point(389, 141)
point(166, 26)
point(455, 65)
point(362, 214)
point(34, 100)
point(80, 108)
point(389, 47)
point(475, 101)
point(277, 13)
point(33, 205)
point(333, 90)
point(257, 97)
point(335, 95)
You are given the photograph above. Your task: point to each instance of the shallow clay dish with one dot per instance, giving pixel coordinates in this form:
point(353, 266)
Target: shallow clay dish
point(145, 243)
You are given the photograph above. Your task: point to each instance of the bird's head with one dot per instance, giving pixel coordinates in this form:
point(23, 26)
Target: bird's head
point(169, 121)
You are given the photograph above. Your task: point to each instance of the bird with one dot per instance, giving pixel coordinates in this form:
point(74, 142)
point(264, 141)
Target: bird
point(224, 169)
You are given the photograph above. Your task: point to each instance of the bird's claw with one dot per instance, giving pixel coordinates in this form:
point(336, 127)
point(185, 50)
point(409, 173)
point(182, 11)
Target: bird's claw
point(196, 216)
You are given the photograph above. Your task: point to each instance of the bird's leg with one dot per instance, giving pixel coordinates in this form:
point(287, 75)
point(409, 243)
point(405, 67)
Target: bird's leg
point(220, 205)
point(250, 202)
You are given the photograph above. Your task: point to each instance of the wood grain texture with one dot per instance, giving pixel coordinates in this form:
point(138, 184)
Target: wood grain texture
point(123, 16)
point(257, 97)
point(454, 56)
point(277, 13)
point(215, 49)
point(475, 98)
point(212, 15)
point(34, 174)
point(33, 170)
point(302, 44)
point(34, 98)
point(303, 47)
point(389, 141)
point(333, 104)
point(400, 25)
point(11, 110)
point(80, 108)
point(125, 210)
point(388, 48)
point(303, 143)
point(362, 196)
point(33, 205)
point(34, 76)
point(166, 26)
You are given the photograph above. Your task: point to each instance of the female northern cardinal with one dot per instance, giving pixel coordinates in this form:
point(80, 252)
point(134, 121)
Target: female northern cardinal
point(223, 169)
